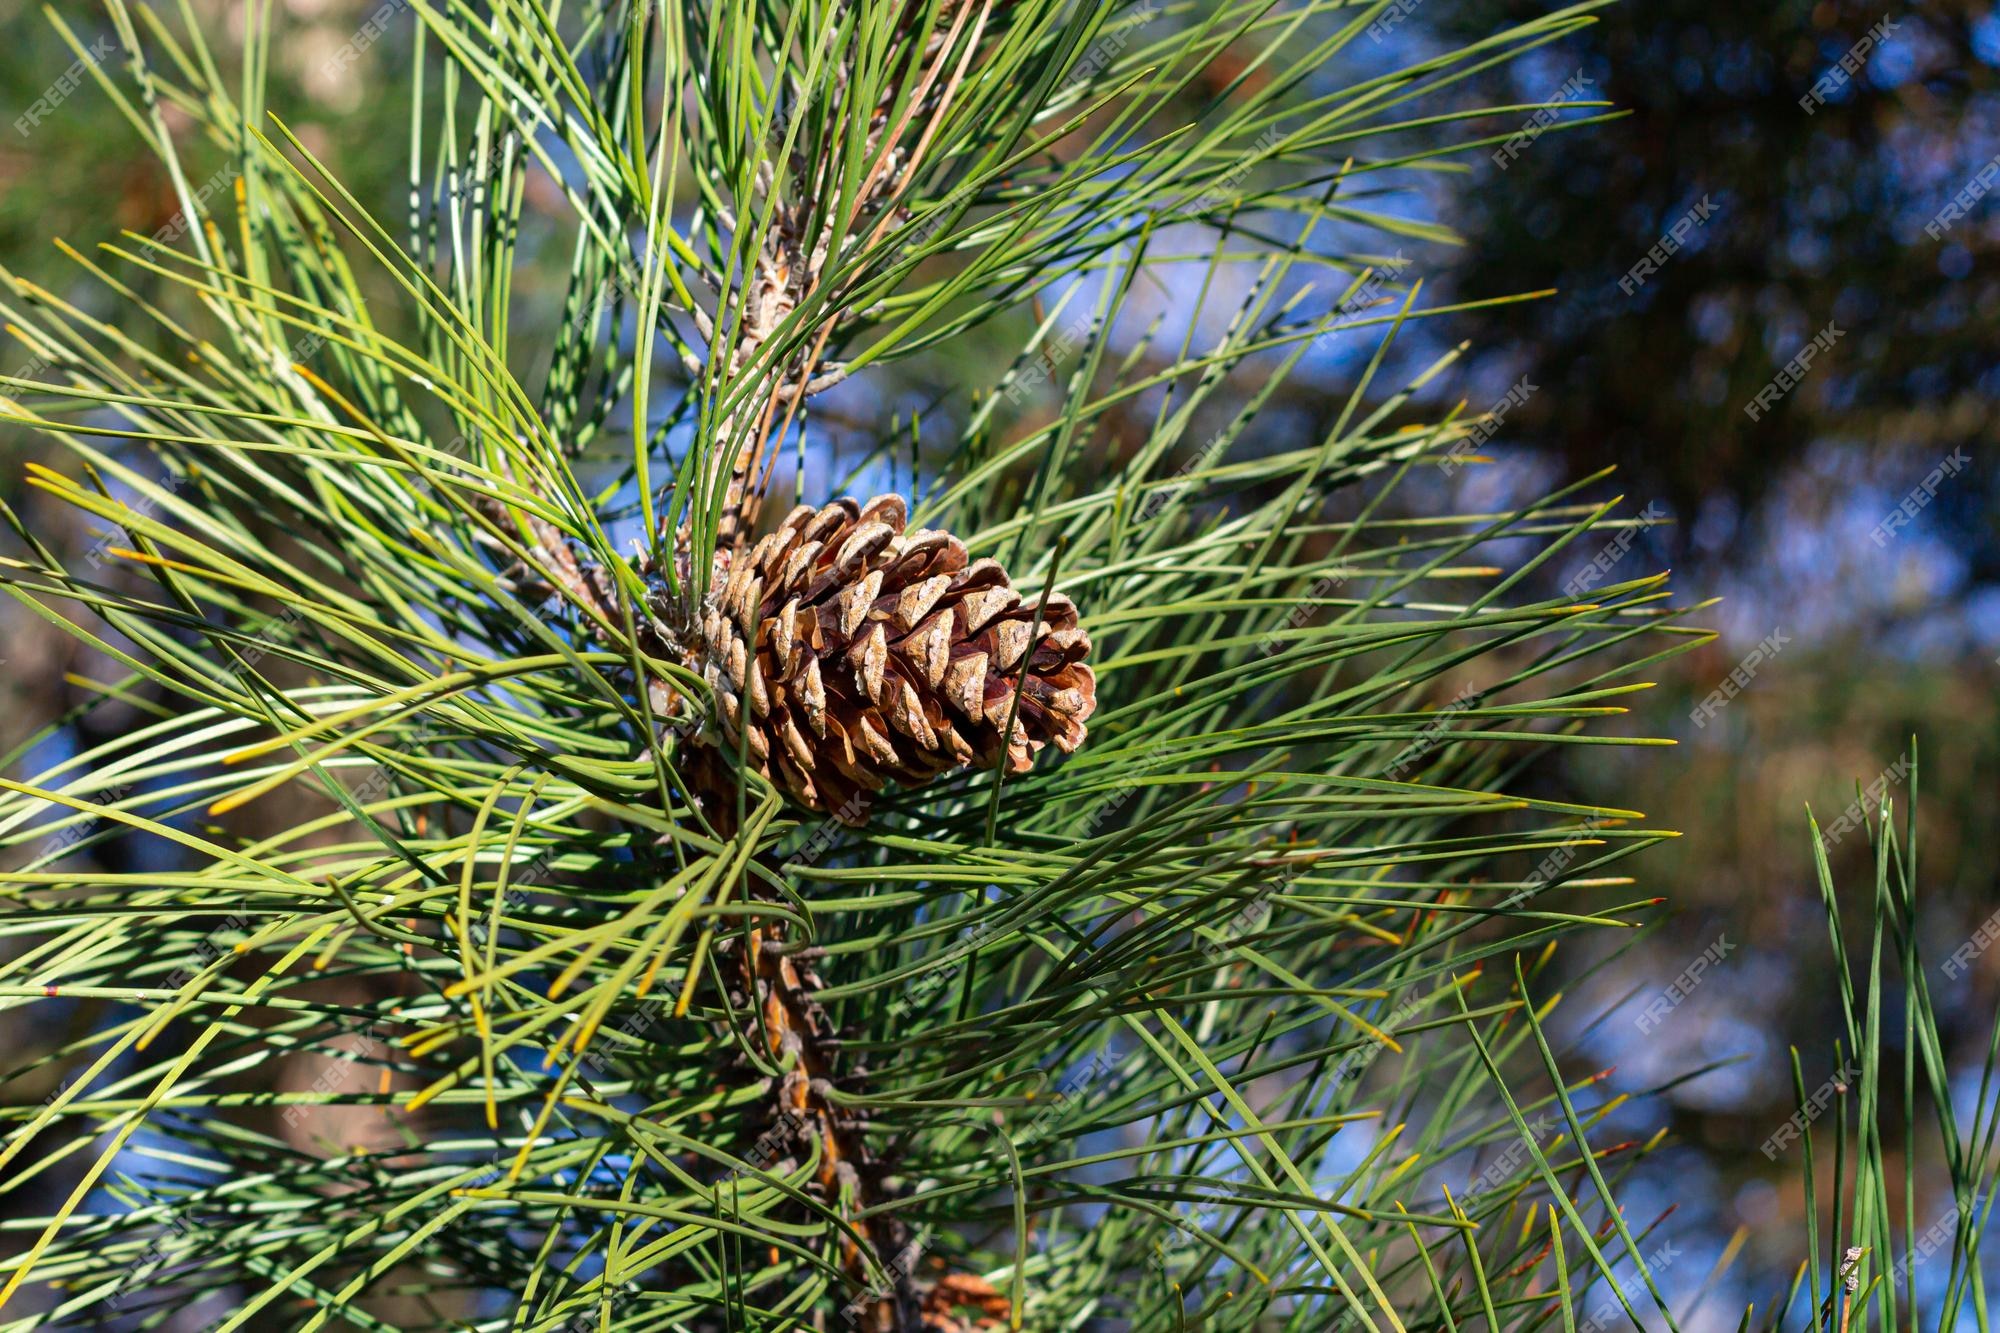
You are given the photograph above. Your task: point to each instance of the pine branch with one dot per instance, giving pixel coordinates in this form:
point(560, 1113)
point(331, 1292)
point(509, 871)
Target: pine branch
point(792, 253)
point(1113, 902)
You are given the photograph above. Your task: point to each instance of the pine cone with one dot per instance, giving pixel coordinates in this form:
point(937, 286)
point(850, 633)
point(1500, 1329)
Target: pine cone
point(870, 655)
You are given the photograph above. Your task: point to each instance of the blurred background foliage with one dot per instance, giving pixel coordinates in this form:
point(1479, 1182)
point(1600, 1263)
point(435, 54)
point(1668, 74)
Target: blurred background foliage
point(1818, 218)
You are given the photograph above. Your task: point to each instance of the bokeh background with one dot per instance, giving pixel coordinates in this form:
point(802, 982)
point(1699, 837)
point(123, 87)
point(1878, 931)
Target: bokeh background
point(1813, 218)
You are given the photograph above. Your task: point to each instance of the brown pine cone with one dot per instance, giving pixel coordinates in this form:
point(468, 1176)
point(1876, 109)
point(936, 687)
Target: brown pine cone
point(870, 655)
